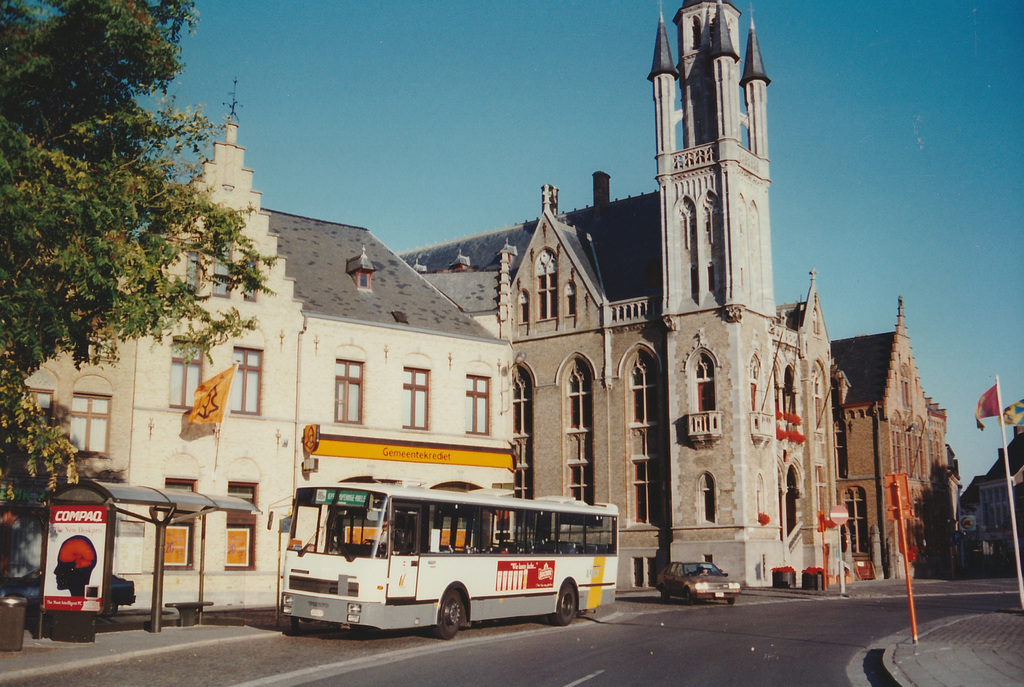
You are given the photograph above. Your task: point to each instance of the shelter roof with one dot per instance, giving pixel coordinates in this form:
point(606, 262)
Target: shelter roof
point(90, 492)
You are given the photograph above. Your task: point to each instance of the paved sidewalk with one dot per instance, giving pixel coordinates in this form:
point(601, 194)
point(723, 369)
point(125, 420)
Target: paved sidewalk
point(985, 649)
point(40, 657)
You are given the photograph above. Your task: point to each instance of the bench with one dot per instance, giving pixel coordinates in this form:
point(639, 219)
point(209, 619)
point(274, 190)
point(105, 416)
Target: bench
point(189, 612)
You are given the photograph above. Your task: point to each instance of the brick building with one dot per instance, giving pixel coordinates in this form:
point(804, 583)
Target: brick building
point(886, 424)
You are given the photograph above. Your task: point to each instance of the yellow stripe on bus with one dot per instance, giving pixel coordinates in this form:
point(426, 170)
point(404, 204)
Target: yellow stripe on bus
point(596, 580)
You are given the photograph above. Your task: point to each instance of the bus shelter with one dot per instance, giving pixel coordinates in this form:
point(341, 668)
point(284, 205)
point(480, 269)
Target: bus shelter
point(165, 507)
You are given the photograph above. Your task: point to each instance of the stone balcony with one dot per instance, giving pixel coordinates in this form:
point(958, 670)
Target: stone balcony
point(762, 428)
point(705, 428)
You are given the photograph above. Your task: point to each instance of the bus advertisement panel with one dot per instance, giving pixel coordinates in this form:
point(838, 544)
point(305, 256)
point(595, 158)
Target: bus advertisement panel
point(389, 557)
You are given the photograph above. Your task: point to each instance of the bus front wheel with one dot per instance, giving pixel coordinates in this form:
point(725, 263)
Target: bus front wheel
point(450, 614)
point(565, 606)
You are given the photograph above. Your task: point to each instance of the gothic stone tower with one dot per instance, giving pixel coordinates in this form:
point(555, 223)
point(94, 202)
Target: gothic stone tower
point(724, 339)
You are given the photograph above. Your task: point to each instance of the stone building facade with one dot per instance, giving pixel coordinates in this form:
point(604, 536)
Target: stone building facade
point(885, 424)
point(351, 374)
point(654, 369)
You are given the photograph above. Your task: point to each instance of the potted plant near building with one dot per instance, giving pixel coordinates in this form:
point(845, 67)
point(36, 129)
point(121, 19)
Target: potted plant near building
point(812, 578)
point(784, 577)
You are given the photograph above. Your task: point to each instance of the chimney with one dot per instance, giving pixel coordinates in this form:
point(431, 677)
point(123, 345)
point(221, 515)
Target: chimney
point(602, 192)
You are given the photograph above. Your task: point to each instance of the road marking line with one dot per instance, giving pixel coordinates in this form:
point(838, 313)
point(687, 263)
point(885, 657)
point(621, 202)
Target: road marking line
point(584, 679)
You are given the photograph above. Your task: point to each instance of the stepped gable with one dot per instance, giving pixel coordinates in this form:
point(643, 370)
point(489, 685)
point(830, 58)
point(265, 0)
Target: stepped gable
point(865, 361)
point(318, 257)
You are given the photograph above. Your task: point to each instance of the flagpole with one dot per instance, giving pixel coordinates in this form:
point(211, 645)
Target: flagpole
point(1009, 492)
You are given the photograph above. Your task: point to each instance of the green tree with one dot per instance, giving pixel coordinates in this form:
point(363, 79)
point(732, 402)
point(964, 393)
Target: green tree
point(99, 207)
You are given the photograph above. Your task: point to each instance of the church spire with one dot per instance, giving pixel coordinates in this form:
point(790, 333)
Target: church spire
point(721, 42)
point(662, 54)
point(753, 66)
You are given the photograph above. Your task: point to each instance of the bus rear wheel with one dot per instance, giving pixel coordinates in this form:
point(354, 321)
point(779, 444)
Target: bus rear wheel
point(450, 613)
point(565, 606)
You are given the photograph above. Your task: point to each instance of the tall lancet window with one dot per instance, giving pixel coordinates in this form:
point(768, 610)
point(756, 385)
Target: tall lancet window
point(579, 448)
point(643, 430)
point(522, 432)
point(705, 382)
point(547, 286)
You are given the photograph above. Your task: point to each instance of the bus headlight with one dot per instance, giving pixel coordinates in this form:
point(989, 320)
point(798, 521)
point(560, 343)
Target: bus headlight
point(354, 611)
point(286, 603)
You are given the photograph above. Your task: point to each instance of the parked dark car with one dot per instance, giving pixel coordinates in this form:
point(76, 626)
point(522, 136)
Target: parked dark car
point(122, 591)
point(696, 581)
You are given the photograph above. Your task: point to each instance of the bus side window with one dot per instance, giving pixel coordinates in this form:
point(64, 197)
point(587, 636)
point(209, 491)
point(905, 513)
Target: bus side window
point(405, 530)
point(545, 537)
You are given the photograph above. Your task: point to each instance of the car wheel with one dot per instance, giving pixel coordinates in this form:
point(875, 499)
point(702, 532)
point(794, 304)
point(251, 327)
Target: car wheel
point(565, 606)
point(687, 596)
point(731, 601)
point(450, 613)
point(665, 596)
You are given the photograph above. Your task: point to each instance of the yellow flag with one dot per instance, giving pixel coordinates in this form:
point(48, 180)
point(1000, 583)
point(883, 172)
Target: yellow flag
point(211, 398)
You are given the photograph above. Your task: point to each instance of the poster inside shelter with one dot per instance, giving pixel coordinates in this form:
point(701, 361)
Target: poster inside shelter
point(75, 559)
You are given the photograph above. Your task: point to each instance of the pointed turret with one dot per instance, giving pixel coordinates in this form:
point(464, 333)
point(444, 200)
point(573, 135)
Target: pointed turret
point(753, 66)
point(663, 78)
point(662, 54)
point(721, 41)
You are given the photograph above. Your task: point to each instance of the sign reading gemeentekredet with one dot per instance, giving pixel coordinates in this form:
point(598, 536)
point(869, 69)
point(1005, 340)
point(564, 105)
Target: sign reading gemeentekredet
point(317, 444)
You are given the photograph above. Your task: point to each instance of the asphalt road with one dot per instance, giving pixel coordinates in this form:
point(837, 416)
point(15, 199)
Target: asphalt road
point(765, 639)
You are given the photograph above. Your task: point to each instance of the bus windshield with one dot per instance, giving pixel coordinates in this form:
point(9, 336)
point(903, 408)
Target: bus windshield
point(339, 522)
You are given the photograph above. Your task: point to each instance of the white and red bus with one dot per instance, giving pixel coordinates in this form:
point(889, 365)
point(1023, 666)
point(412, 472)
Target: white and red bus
point(389, 556)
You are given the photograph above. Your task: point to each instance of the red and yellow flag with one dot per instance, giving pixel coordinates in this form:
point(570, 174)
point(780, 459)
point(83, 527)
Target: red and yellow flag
point(211, 398)
point(988, 405)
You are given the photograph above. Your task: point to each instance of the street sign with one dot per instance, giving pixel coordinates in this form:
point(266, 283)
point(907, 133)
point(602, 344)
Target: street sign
point(839, 515)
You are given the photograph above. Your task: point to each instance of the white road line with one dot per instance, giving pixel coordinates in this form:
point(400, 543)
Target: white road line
point(584, 679)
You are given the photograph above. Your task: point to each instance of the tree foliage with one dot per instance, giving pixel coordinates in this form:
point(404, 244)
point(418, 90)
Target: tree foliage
point(98, 208)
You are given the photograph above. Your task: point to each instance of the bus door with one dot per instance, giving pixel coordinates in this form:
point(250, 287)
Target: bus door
point(404, 532)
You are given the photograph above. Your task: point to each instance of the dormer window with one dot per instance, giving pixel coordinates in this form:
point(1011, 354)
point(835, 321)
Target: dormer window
point(361, 268)
point(461, 263)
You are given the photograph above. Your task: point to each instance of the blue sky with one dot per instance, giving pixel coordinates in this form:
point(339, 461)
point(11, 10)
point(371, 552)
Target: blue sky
point(894, 129)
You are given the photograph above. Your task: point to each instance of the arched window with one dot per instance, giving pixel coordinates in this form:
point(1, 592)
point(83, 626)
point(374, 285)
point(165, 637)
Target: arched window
point(787, 392)
point(712, 219)
point(524, 307)
point(792, 492)
point(755, 374)
point(643, 431)
point(858, 522)
point(707, 499)
point(705, 379)
point(819, 395)
point(579, 449)
point(522, 432)
point(580, 398)
point(570, 299)
point(690, 223)
point(760, 495)
point(695, 34)
point(547, 286)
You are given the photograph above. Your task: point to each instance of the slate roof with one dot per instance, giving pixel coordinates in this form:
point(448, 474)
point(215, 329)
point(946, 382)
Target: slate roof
point(753, 65)
point(317, 253)
point(865, 361)
point(618, 244)
point(662, 63)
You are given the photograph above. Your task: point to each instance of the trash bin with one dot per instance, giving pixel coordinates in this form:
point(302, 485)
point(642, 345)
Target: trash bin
point(12, 623)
